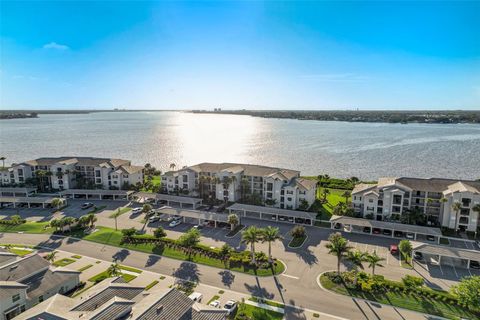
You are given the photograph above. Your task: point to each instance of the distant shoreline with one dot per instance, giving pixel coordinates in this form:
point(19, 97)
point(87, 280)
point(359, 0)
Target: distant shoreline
point(403, 117)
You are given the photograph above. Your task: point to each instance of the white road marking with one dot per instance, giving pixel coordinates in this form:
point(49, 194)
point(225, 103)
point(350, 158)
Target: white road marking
point(289, 276)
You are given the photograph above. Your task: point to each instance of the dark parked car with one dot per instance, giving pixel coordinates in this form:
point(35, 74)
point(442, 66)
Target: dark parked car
point(387, 232)
point(474, 264)
point(376, 231)
point(337, 226)
point(398, 234)
point(417, 256)
point(430, 238)
point(366, 229)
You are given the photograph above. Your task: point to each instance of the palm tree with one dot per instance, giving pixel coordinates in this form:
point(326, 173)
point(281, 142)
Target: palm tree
point(51, 256)
point(271, 234)
point(374, 261)
point(146, 209)
point(325, 193)
point(405, 247)
point(92, 218)
point(54, 223)
point(232, 220)
point(172, 166)
point(114, 269)
point(346, 195)
point(456, 206)
point(57, 202)
point(115, 216)
point(84, 220)
point(356, 258)
point(3, 161)
point(251, 236)
point(338, 246)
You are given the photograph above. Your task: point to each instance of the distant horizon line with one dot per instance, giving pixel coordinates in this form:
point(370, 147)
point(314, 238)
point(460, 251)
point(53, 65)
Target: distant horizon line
point(226, 109)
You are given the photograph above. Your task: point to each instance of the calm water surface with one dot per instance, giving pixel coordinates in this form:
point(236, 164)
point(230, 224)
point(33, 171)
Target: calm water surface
point(366, 150)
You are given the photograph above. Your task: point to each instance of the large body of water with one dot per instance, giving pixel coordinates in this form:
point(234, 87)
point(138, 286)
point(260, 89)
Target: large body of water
point(365, 150)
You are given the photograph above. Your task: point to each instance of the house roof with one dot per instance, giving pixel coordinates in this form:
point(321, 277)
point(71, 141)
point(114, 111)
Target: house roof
point(22, 268)
point(130, 169)
point(102, 296)
point(434, 184)
point(248, 169)
point(79, 161)
point(461, 187)
point(112, 309)
point(447, 251)
point(46, 280)
point(9, 288)
point(306, 184)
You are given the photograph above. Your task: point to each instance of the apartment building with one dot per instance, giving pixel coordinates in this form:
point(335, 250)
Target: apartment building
point(433, 197)
point(113, 299)
point(281, 188)
point(27, 281)
point(62, 173)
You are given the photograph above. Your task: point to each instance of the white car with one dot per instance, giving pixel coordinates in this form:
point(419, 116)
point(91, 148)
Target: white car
point(136, 210)
point(215, 304)
point(174, 223)
point(196, 296)
point(409, 235)
point(230, 306)
point(153, 219)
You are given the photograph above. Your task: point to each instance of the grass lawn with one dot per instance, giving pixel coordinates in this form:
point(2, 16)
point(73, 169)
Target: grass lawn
point(156, 181)
point(104, 275)
point(77, 257)
point(88, 266)
point(111, 237)
point(270, 303)
point(130, 269)
point(151, 285)
point(333, 198)
point(403, 300)
point(20, 252)
point(120, 212)
point(257, 313)
point(215, 297)
point(28, 227)
point(63, 262)
point(297, 242)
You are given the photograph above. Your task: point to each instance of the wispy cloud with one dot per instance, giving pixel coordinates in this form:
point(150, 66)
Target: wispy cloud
point(56, 46)
point(336, 77)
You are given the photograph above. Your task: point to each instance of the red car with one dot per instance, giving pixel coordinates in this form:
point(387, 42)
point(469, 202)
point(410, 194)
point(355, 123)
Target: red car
point(393, 249)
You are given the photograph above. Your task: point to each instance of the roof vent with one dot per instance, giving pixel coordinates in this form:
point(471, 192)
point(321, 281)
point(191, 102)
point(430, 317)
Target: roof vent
point(160, 308)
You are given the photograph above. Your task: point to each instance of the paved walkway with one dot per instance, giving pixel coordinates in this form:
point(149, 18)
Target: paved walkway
point(299, 292)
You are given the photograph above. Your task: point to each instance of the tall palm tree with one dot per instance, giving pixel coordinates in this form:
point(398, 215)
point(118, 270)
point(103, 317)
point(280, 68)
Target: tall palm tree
point(251, 236)
point(346, 195)
point(456, 206)
point(115, 216)
point(271, 234)
point(233, 220)
point(325, 193)
point(92, 218)
point(3, 161)
point(338, 246)
point(374, 261)
point(356, 258)
point(57, 202)
point(114, 269)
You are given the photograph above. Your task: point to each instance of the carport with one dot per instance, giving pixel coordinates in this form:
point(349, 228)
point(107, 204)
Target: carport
point(460, 257)
point(269, 213)
point(195, 214)
point(359, 224)
point(17, 192)
point(30, 200)
point(170, 200)
point(97, 194)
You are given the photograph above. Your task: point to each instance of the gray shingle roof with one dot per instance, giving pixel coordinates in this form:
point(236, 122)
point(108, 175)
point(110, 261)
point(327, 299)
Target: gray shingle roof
point(47, 280)
point(22, 268)
point(112, 309)
point(433, 184)
point(100, 298)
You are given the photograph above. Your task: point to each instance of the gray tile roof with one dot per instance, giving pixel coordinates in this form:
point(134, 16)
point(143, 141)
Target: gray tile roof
point(433, 184)
point(48, 280)
point(113, 309)
point(97, 300)
point(22, 268)
point(248, 169)
point(9, 288)
point(79, 161)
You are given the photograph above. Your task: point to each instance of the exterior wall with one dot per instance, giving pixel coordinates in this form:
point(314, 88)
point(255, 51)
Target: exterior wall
point(7, 303)
point(450, 218)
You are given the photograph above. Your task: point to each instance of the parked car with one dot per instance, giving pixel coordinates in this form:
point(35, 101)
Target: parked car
point(474, 264)
point(86, 205)
point(274, 217)
point(337, 226)
point(387, 232)
point(393, 249)
point(431, 238)
point(198, 226)
point(136, 210)
point(215, 304)
point(409, 235)
point(398, 234)
point(196, 296)
point(376, 231)
point(153, 218)
point(366, 229)
point(230, 306)
point(417, 255)
point(174, 223)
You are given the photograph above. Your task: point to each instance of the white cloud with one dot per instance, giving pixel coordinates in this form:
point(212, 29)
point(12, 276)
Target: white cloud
point(56, 46)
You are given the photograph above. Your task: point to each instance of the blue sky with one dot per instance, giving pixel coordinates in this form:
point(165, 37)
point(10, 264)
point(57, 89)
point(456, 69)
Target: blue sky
point(253, 55)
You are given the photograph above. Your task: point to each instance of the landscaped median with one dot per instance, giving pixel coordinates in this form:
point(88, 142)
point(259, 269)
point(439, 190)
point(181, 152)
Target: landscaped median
point(410, 294)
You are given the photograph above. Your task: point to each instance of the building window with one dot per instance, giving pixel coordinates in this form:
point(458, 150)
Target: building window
point(40, 299)
point(466, 202)
point(20, 172)
point(370, 200)
point(269, 186)
point(15, 297)
point(98, 173)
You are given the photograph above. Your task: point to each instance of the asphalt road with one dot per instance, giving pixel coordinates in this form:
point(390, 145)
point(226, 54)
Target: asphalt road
point(296, 288)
